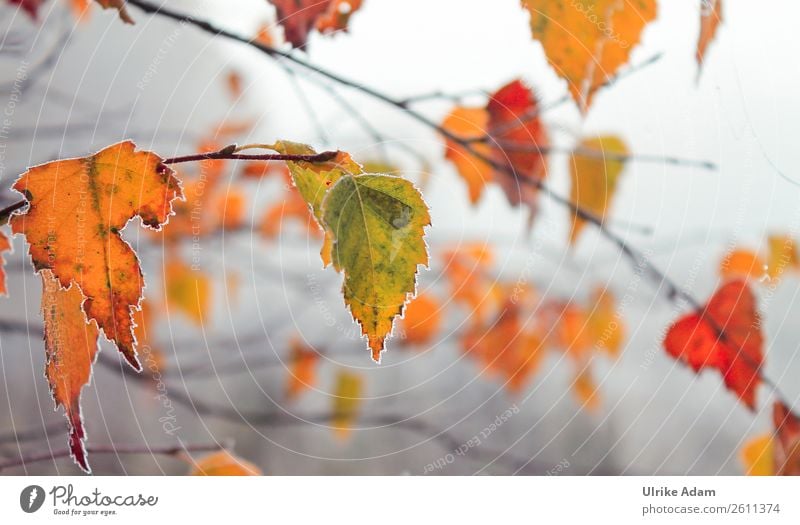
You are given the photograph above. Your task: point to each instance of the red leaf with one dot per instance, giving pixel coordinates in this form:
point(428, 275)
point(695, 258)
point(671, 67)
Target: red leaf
point(516, 138)
point(726, 335)
point(5, 246)
point(787, 449)
point(29, 6)
point(299, 17)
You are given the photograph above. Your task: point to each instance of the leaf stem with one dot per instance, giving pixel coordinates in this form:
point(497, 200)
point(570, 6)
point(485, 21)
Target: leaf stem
point(229, 153)
point(6, 212)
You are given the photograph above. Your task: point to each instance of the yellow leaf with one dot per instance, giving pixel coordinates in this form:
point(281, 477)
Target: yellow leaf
point(782, 255)
point(758, 456)
point(377, 225)
point(77, 209)
point(223, 463)
point(187, 290)
point(607, 329)
point(595, 171)
point(347, 399)
point(587, 41)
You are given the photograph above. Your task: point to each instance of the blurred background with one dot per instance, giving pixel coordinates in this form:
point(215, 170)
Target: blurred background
point(234, 308)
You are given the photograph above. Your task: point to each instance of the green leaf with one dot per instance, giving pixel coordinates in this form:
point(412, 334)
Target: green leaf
point(377, 227)
point(374, 233)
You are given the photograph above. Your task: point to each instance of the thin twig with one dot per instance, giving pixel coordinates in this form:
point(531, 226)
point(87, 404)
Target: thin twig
point(6, 212)
point(168, 450)
point(227, 153)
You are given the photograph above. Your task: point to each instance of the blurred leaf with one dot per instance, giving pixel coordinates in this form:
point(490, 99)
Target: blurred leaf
point(757, 456)
point(302, 369)
point(736, 352)
point(347, 400)
point(594, 179)
point(787, 444)
point(738, 264)
point(299, 17)
point(5, 246)
point(586, 390)
point(710, 18)
point(587, 42)
point(223, 463)
point(421, 320)
point(187, 290)
point(517, 133)
point(469, 123)
point(782, 255)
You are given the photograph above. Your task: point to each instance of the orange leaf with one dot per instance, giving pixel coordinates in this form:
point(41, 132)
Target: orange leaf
point(234, 85)
point(211, 169)
point(587, 42)
point(787, 444)
point(421, 320)
point(519, 136)
point(231, 208)
point(469, 123)
point(299, 17)
point(153, 356)
point(506, 348)
point(71, 346)
point(710, 18)
point(337, 16)
point(466, 269)
point(303, 369)
point(742, 264)
point(758, 456)
point(223, 463)
point(293, 206)
point(80, 9)
point(726, 335)
point(571, 332)
point(586, 390)
point(119, 5)
point(5, 246)
point(77, 209)
point(264, 36)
